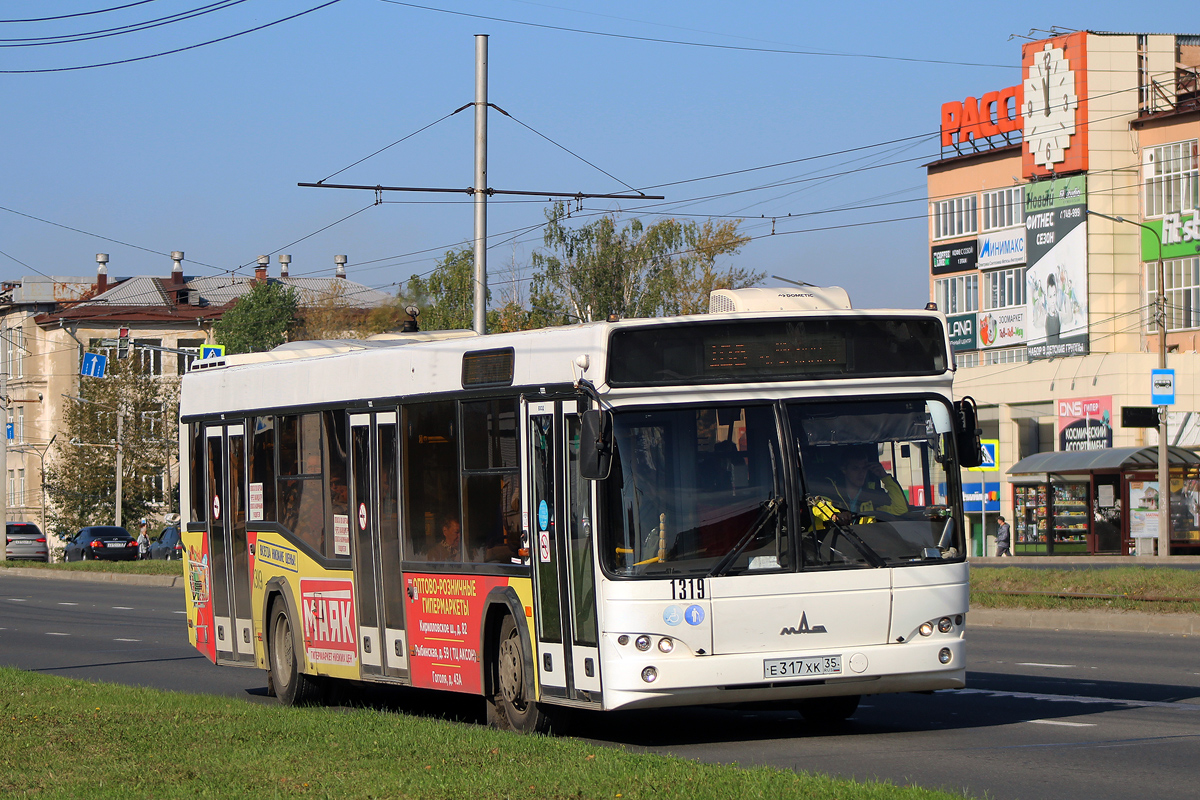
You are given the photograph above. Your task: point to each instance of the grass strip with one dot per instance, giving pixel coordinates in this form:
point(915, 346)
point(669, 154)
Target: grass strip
point(120, 567)
point(1126, 583)
point(76, 739)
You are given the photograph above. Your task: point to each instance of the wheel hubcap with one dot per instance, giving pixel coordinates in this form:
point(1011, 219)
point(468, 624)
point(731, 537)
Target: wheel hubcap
point(283, 651)
point(512, 679)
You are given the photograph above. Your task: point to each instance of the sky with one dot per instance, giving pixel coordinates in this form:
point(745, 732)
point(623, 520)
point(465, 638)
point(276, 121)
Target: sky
point(201, 150)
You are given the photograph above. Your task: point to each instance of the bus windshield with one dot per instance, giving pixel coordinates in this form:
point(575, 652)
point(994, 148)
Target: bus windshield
point(877, 481)
point(703, 491)
point(696, 491)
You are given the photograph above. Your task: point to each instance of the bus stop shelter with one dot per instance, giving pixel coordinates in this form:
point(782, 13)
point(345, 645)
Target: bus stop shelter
point(1102, 502)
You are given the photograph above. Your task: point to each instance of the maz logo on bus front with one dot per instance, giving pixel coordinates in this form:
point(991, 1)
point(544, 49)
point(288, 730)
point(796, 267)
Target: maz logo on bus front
point(803, 628)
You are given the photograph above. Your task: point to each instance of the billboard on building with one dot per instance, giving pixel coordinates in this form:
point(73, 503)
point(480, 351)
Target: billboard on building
point(962, 331)
point(1085, 423)
point(1002, 328)
point(1056, 279)
point(1180, 234)
point(953, 257)
point(1002, 248)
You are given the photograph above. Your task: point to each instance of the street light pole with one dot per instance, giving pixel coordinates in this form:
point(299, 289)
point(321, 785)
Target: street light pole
point(1160, 321)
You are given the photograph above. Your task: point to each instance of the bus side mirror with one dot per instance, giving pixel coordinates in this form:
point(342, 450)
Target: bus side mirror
point(967, 433)
point(595, 445)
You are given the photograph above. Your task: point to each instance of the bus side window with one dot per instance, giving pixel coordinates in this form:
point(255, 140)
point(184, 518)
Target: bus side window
point(339, 489)
point(431, 481)
point(262, 463)
point(199, 478)
point(491, 482)
point(301, 489)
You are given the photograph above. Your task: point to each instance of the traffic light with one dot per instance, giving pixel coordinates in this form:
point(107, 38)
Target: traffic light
point(123, 343)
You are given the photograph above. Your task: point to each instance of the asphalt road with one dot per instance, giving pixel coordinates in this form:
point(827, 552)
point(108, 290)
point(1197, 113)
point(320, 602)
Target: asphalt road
point(1048, 714)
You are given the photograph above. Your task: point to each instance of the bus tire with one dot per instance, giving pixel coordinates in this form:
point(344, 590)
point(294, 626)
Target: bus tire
point(512, 706)
point(292, 687)
point(828, 710)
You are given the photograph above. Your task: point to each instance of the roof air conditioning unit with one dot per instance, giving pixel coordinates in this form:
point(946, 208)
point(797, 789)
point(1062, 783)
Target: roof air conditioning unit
point(806, 298)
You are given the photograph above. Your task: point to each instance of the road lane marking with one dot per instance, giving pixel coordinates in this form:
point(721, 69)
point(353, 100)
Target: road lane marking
point(17, 599)
point(68, 604)
point(1075, 698)
point(126, 640)
point(122, 608)
point(1051, 666)
point(56, 633)
point(180, 612)
point(1062, 722)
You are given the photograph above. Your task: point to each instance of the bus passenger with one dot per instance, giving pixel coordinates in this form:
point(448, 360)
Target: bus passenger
point(449, 548)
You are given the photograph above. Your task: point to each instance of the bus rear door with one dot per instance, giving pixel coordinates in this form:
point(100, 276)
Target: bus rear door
point(559, 513)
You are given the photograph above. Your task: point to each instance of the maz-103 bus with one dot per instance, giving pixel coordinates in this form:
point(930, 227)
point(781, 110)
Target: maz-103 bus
point(630, 514)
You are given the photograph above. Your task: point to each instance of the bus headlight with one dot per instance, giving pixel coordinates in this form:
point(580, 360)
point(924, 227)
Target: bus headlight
point(926, 629)
point(666, 645)
point(944, 624)
point(944, 655)
point(623, 639)
point(650, 674)
point(642, 642)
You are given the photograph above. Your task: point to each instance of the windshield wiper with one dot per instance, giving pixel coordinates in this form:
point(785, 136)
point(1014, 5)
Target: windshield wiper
point(871, 557)
point(769, 509)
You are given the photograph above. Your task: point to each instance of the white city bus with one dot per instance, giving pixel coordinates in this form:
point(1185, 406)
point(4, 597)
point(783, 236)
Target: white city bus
point(628, 514)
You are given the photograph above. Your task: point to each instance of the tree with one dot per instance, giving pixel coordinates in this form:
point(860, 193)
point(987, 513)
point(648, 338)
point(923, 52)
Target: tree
point(597, 269)
point(81, 477)
point(260, 319)
point(448, 293)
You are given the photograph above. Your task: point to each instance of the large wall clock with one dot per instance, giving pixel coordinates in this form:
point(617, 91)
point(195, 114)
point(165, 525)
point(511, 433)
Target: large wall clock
point(1050, 105)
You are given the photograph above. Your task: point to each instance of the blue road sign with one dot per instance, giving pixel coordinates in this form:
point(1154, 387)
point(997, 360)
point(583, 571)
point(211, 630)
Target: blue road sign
point(212, 351)
point(93, 365)
point(1162, 387)
point(8, 431)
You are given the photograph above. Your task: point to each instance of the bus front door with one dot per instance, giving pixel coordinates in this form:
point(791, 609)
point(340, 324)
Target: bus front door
point(559, 514)
point(375, 526)
point(227, 545)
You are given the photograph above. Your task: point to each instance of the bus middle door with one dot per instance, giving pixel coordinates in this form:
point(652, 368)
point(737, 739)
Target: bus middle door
point(227, 544)
point(559, 512)
point(375, 525)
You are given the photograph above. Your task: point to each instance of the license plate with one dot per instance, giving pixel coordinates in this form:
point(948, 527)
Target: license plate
point(115, 544)
point(802, 667)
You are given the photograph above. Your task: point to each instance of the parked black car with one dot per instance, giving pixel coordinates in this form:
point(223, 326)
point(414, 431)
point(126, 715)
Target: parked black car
point(25, 540)
point(107, 542)
point(168, 546)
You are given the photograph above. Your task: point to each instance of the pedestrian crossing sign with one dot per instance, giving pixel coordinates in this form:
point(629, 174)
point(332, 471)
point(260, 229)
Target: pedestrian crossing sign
point(212, 351)
point(989, 456)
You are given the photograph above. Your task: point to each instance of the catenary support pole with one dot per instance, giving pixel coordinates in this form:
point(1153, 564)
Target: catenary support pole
point(120, 426)
point(481, 110)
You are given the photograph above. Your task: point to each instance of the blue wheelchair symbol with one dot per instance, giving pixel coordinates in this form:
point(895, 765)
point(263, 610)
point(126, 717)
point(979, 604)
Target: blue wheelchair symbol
point(673, 615)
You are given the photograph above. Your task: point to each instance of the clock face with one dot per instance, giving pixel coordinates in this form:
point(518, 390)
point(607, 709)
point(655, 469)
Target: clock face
point(1050, 104)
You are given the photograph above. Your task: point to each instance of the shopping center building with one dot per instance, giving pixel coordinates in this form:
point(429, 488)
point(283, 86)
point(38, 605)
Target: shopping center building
point(1053, 302)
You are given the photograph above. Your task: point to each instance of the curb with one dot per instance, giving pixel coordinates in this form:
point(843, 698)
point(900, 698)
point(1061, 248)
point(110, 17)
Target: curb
point(1084, 561)
point(1123, 622)
point(170, 581)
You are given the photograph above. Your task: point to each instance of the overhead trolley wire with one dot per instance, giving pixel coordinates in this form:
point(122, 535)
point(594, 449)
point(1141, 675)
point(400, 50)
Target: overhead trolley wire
point(135, 27)
point(80, 13)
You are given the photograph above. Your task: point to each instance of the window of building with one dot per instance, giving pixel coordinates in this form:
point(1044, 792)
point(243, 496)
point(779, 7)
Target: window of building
point(192, 346)
point(1182, 279)
point(967, 359)
point(1004, 208)
point(1004, 288)
point(957, 295)
point(12, 351)
point(1171, 180)
point(19, 427)
point(151, 359)
point(955, 217)
point(1009, 355)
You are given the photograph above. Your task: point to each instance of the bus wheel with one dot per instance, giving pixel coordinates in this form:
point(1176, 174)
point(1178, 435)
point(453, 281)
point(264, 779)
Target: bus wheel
point(292, 687)
point(513, 706)
point(828, 710)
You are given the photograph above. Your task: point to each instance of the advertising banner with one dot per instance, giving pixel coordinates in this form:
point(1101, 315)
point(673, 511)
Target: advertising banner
point(1143, 509)
point(327, 609)
point(1180, 236)
point(1056, 279)
point(962, 331)
point(1003, 328)
point(1003, 248)
point(979, 497)
point(1085, 423)
point(955, 257)
point(443, 616)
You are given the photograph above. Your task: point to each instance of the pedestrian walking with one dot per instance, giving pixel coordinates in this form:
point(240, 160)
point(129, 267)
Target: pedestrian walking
point(1003, 537)
point(143, 542)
